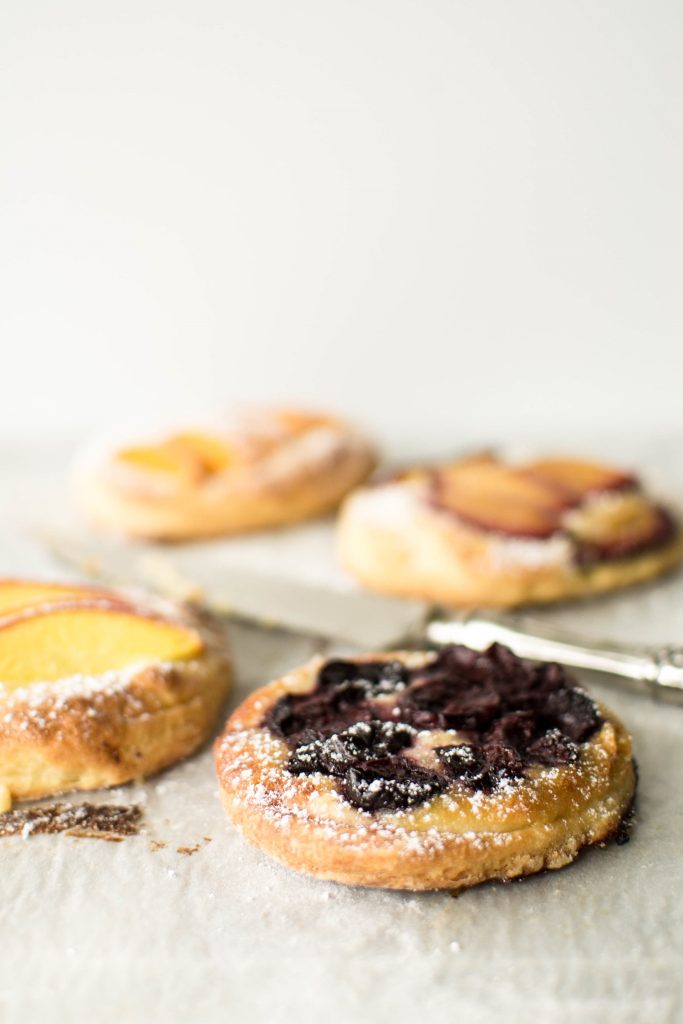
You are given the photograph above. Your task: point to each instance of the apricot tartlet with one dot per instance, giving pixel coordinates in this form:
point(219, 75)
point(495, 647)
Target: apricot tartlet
point(261, 470)
point(485, 532)
point(99, 687)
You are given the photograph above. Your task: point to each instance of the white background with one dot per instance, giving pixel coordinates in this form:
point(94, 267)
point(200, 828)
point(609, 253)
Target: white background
point(448, 217)
point(453, 215)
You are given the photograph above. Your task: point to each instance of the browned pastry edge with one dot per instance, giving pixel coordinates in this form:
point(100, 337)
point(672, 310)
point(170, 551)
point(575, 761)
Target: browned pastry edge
point(127, 727)
point(435, 557)
point(449, 842)
point(258, 495)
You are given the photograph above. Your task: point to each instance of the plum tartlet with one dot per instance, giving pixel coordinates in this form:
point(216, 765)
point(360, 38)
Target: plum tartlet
point(484, 532)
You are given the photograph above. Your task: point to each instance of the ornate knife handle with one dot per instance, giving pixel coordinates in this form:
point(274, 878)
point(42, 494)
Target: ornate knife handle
point(655, 670)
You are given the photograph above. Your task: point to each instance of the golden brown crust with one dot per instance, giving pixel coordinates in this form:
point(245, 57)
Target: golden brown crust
point(395, 541)
point(87, 733)
point(454, 840)
point(299, 475)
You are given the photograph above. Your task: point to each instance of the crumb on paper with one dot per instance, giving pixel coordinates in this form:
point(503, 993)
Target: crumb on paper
point(113, 822)
point(188, 850)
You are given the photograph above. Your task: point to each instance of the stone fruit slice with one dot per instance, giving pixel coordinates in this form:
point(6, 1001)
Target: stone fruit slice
point(177, 464)
point(297, 422)
point(619, 526)
point(82, 640)
point(213, 454)
point(494, 497)
point(579, 477)
point(17, 595)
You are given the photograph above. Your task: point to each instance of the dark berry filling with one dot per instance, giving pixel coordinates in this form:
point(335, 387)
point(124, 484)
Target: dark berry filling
point(335, 754)
point(341, 697)
point(361, 721)
point(392, 782)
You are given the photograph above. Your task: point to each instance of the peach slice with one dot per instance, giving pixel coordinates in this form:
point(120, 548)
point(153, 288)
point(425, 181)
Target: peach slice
point(494, 497)
point(213, 453)
point(296, 421)
point(161, 460)
point(20, 595)
point(87, 640)
point(579, 477)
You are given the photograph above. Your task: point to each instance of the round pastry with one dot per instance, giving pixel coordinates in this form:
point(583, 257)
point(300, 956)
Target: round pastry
point(481, 532)
point(261, 470)
point(98, 688)
point(424, 770)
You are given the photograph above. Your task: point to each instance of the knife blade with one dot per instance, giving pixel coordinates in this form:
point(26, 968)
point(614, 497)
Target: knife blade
point(343, 612)
point(217, 575)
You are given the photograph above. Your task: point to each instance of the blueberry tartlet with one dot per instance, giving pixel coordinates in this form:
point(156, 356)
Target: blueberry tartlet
point(425, 770)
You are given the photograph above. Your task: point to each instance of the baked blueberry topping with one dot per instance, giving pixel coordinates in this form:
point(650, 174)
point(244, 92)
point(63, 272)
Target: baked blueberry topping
point(370, 678)
point(362, 719)
point(340, 698)
point(341, 751)
point(391, 782)
point(479, 768)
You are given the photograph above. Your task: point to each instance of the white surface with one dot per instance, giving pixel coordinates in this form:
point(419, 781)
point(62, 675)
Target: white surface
point(444, 213)
point(97, 931)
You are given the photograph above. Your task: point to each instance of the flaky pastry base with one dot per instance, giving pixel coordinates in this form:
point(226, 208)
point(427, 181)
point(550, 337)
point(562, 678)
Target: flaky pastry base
point(304, 478)
point(91, 733)
point(452, 841)
point(427, 554)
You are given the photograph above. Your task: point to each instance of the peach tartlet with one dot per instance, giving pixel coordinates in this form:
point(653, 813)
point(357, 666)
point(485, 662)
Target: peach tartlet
point(262, 470)
point(485, 532)
point(98, 688)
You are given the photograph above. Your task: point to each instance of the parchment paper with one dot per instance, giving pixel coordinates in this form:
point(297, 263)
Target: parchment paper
point(135, 931)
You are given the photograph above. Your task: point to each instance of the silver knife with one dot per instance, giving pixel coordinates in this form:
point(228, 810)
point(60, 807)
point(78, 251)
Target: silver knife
point(345, 613)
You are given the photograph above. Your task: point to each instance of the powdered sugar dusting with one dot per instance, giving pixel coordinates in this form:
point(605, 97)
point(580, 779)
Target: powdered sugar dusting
point(529, 553)
point(253, 776)
point(391, 505)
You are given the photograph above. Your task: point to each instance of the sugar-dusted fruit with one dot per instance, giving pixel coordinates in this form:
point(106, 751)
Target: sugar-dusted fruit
point(58, 643)
point(160, 462)
point(495, 497)
point(262, 469)
point(98, 687)
point(618, 526)
point(18, 595)
point(485, 532)
point(212, 453)
point(579, 477)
